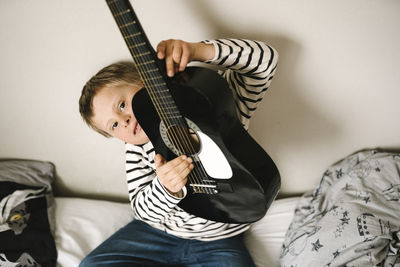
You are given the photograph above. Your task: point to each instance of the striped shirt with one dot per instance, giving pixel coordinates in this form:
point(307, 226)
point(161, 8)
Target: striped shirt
point(248, 67)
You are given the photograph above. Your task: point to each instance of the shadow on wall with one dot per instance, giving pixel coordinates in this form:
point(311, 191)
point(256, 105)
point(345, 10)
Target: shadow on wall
point(291, 120)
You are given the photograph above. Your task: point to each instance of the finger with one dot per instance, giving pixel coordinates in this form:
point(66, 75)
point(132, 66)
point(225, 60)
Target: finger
point(161, 49)
point(177, 53)
point(181, 178)
point(179, 182)
point(169, 61)
point(183, 168)
point(159, 160)
point(185, 172)
point(167, 167)
point(185, 58)
point(176, 162)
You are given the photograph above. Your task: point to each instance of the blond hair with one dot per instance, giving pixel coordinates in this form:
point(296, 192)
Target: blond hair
point(114, 74)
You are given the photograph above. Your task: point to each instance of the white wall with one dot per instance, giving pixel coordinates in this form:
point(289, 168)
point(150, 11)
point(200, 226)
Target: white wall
point(336, 89)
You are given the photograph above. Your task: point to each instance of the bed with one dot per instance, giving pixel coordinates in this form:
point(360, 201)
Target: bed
point(78, 225)
point(351, 218)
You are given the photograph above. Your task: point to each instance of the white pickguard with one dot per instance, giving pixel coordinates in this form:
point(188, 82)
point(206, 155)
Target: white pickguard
point(210, 155)
point(212, 158)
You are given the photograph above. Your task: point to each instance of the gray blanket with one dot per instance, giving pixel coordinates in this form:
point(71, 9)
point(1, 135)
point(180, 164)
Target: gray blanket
point(352, 218)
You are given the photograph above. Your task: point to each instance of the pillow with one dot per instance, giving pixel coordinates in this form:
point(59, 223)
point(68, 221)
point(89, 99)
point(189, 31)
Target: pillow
point(351, 218)
point(83, 224)
point(265, 237)
point(27, 213)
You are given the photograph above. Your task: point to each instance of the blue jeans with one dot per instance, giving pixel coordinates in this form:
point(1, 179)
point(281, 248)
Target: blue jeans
point(138, 244)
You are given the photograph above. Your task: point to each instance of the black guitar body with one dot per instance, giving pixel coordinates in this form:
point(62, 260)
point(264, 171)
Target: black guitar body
point(204, 97)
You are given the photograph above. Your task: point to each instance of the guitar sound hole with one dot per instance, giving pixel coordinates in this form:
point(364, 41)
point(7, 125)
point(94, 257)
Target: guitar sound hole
point(184, 140)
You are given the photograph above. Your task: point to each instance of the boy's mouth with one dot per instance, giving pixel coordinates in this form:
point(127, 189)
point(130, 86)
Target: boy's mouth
point(136, 128)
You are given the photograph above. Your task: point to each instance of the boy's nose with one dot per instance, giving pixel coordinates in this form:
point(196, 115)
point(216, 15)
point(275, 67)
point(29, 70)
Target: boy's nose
point(126, 120)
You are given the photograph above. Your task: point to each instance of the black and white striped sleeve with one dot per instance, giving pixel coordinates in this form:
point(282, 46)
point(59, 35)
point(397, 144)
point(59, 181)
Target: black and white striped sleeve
point(249, 68)
point(149, 199)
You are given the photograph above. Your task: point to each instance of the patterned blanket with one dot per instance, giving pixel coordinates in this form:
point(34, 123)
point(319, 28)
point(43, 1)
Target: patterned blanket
point(352, 218)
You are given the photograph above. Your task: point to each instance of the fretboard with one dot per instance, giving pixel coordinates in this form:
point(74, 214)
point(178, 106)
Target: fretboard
point(145, 59)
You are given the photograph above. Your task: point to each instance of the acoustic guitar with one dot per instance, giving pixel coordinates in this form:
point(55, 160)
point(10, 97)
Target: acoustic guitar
point(234, 180)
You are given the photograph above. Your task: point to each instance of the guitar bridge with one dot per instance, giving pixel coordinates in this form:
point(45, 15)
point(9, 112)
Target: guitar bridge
point(209, 189)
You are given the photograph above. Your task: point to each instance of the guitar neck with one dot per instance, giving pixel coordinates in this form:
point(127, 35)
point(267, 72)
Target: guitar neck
point(145, 59)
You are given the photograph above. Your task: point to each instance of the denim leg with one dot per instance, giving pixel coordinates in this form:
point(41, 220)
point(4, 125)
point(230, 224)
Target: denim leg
point(228, 252)
point(136, 244)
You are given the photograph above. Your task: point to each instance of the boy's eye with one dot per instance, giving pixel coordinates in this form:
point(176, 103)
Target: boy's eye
point(115, 125)
point(122, 106)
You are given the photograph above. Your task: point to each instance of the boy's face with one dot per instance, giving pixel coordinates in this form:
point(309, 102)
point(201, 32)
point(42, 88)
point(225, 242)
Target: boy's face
point(113, 113)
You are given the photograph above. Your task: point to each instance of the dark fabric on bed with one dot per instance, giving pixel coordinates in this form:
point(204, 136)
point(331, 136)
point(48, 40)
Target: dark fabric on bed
point(352, 218)
point(26, 218)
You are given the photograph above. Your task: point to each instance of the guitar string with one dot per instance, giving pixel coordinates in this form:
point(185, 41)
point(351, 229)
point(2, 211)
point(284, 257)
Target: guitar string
point(184, 137)
point(158, 105)
point(143, 70)
point(182, 134)
point(116, 15)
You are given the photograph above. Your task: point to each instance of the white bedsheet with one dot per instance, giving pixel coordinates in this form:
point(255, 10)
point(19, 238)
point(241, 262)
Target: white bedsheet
point(82, 224)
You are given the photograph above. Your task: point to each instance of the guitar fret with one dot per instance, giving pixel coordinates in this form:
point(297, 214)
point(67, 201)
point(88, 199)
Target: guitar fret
point(151, 70)
point(132, 35)
point(145, 63)
point(122, 13)
point(142, 54)
point(165, 96)
point(128, 24)
point(174, 117)
point(136, 45)
point(158, 84)
point(172, 111)
point(153, 78)
point(173, 114)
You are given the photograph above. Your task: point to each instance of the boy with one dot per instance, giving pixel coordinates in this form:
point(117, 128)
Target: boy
point(163, 233)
